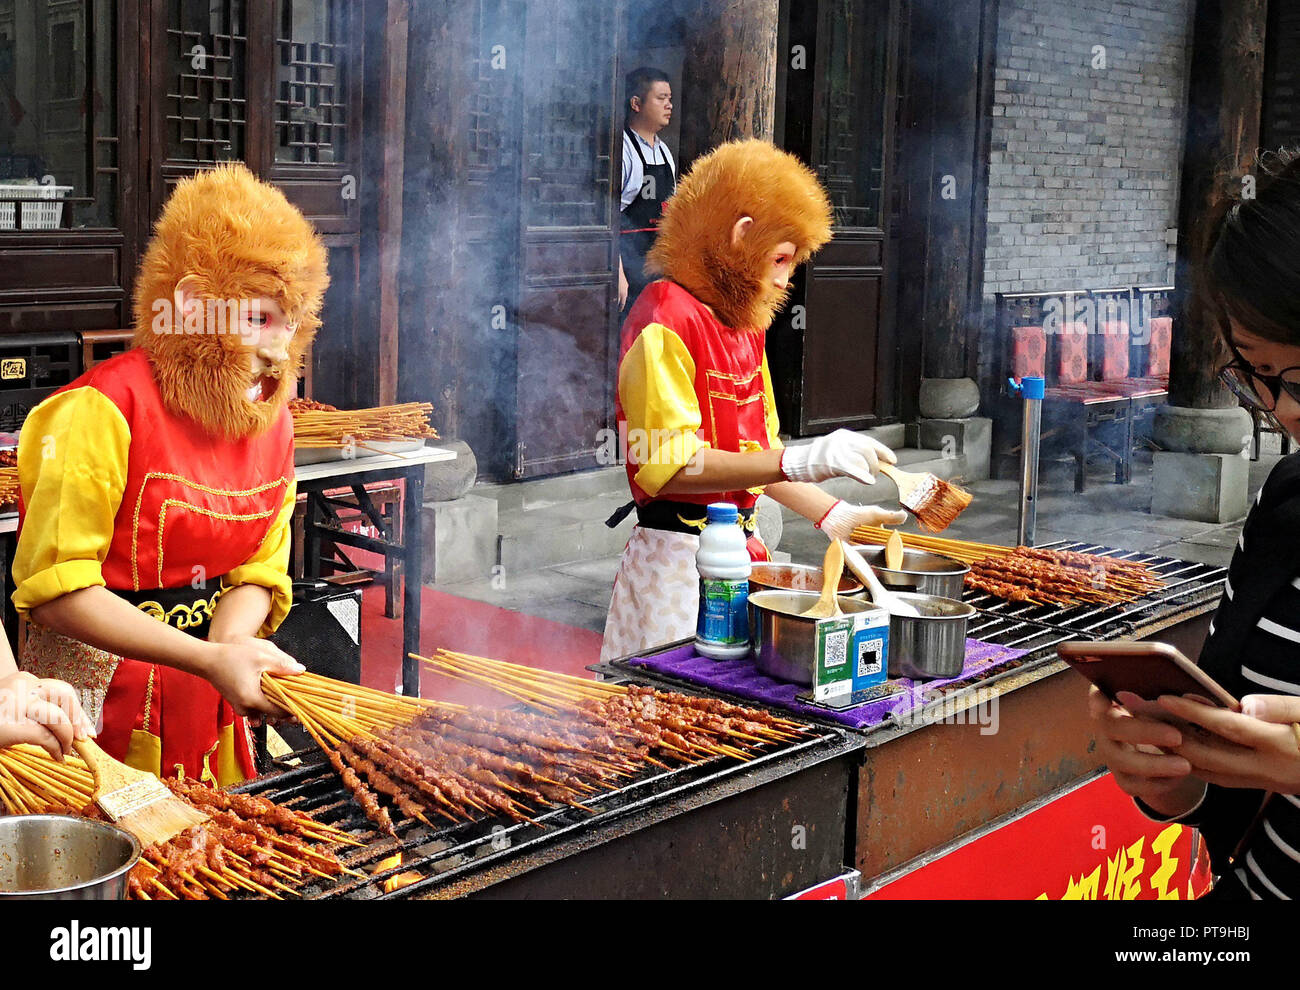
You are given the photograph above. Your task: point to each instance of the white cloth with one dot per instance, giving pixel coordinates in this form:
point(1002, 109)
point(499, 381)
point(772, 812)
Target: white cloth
point(656, 596)
point(633, 173)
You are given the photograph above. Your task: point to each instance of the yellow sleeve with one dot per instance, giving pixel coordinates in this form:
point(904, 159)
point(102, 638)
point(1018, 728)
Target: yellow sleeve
point(769, 410)
point(72, 466)
point(269, 566)
point(656, 387)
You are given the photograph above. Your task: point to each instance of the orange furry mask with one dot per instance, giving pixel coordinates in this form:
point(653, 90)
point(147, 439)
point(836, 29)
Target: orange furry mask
point(694, 246)
point(229, 238)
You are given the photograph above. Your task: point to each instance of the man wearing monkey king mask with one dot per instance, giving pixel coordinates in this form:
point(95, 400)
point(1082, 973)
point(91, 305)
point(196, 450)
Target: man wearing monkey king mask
point(158, 488)
point(694, 393)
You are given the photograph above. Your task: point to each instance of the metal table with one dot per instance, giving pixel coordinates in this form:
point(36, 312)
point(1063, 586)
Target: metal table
point(321, 522)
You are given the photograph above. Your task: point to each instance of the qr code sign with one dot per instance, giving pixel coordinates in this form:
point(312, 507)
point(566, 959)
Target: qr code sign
point(837, 649)
point(871, 656)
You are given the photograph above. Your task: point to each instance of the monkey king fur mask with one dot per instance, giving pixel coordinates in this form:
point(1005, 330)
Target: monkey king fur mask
point(694, 246)
point(226, 240)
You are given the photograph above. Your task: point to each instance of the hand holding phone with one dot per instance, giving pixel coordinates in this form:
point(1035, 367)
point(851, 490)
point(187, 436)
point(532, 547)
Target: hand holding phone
point(1135, 741)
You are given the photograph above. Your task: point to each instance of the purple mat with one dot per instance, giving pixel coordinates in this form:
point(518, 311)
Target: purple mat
point(741, 678)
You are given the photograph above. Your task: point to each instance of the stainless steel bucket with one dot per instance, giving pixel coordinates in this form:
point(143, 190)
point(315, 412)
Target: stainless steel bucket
point(784, 644)
point(922, 572)
point(932, 644)
point(62, 858)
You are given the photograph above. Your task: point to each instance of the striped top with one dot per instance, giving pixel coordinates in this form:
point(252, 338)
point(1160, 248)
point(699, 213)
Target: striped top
point(1254, 648)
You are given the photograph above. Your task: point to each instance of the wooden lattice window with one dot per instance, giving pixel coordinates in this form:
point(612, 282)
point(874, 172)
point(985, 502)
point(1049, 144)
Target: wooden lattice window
point(206, 98)
point(310, 106)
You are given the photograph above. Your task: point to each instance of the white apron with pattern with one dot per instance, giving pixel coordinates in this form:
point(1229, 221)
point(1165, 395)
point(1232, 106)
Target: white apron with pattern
point(656, 593)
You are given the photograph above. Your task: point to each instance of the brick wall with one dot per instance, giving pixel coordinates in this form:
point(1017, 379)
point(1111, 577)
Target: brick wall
point(1084, 161)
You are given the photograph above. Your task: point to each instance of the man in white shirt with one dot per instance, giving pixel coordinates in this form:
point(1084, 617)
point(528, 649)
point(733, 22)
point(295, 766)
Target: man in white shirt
point(649, 176)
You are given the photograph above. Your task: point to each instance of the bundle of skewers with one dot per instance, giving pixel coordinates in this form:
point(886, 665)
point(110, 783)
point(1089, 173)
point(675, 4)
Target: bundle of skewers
point(248, 845)
point(8, 486)
point(428, 759)
point(1035, 575)
point(316, 424)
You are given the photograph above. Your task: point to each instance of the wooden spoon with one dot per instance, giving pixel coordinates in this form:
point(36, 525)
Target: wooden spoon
point(894, 551)
point(828, 605)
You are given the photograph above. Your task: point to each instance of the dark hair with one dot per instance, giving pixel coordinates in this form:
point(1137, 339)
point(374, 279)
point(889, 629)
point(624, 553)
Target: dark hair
point(639, 82)
point(1252, 261)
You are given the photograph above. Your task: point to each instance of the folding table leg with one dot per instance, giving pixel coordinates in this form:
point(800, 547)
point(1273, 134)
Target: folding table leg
point(412, 576)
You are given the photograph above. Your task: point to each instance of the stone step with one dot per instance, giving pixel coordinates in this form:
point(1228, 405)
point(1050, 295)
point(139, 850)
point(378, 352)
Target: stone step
point(561, 533)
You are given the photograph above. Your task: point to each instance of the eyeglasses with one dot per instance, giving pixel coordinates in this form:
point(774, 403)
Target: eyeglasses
point(1258, 390)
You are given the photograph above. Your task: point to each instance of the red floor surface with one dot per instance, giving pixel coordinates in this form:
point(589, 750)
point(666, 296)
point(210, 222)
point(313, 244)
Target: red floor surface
point(467, 626)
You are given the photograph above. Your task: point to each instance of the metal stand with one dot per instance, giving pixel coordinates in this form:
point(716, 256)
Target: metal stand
point(1031, 390)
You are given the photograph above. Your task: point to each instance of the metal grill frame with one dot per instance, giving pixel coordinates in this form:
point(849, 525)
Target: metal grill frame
point(468, 849)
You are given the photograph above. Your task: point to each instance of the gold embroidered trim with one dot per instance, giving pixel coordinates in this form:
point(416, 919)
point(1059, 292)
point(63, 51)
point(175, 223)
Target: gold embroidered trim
point(148, 698)
point(746, 524)
point(186, 616)
point(165, 476)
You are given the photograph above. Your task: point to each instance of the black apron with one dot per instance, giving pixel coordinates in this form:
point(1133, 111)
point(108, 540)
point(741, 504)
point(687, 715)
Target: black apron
point(640, 220)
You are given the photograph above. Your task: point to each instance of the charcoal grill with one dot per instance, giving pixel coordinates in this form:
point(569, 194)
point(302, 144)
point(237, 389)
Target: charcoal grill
point(923, 785)
point(1189, 588)
point(646, 822)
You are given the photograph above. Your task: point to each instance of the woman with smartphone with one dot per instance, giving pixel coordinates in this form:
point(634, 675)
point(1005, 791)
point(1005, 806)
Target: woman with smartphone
point(1236, 775)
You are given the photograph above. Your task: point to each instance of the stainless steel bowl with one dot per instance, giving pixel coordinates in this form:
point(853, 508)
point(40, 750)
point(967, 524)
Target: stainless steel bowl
point(784, 644)
point(922, 572)
point(798, 577)
point(61, 858)
point(932, 644)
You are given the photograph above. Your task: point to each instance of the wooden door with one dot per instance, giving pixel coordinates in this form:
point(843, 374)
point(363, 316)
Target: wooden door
point(567, 331)
point(275, 84)
point(834, 351)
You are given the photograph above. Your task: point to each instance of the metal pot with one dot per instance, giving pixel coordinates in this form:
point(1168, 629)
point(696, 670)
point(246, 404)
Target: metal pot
point(61, 858)
point(932, 644)
point(798, 577)
point(922, 572)
point(784, 644)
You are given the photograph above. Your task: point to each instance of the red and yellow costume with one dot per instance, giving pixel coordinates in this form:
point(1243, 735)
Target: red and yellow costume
point(119, 491)
point(693, 372)
point(686, 381)
point(159, 476)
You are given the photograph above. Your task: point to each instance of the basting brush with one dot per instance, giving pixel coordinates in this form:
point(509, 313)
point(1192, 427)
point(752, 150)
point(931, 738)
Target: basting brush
point(933, 501)
point(137, 801)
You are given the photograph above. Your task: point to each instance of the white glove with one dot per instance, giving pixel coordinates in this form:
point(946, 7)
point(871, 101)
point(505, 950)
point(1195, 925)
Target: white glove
point(843, 518)
point(840, 454)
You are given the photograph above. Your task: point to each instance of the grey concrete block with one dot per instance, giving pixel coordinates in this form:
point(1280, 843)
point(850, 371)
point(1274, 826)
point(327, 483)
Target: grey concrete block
point(972, 436)
point(460, 539)
point(1208, 487)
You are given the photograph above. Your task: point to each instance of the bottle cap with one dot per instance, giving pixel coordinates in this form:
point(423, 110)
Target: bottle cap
point(723, 512)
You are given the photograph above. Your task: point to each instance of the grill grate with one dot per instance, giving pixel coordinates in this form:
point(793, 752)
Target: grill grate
point(305, 782)
point(1188, 587)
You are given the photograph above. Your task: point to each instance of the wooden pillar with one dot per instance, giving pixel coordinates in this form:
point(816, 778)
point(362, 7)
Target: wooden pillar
point(1223, 112)
point(728, 86)
point(944, 135)
point(396, 27)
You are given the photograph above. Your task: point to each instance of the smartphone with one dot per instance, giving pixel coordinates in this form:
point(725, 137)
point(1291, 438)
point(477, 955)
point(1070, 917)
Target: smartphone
point(1146, 669)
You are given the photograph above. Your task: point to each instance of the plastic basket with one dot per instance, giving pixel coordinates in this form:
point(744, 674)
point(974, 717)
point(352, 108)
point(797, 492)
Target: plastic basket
point(44, 213)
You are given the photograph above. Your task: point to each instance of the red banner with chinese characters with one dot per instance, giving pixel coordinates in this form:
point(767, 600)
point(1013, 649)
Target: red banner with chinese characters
point(1089, 844)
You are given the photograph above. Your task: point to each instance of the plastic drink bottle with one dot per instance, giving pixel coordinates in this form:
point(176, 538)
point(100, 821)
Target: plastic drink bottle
point(722, 631)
